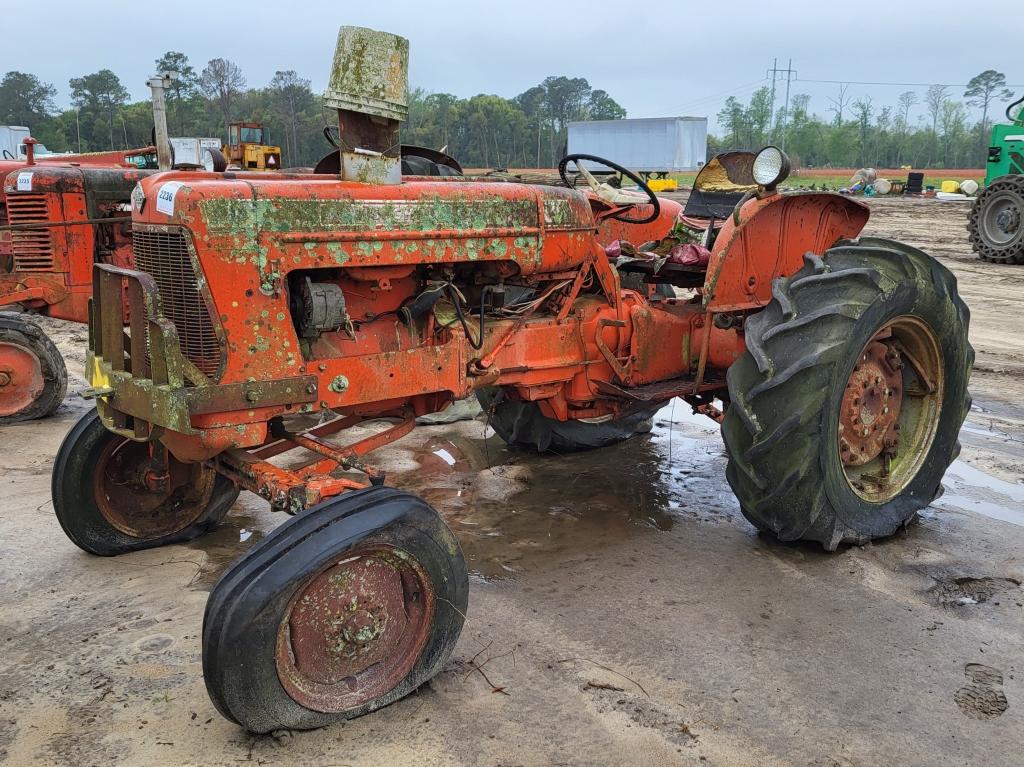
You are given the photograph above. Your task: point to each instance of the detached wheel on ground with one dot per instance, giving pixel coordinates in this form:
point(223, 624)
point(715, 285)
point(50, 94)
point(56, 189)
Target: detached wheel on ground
point(996, 223)
point(343, 609)
point(112, 495)
point(33, 378)
point(846, 408)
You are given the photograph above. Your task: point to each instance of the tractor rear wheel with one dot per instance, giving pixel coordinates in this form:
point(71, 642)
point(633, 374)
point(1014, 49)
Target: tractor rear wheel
point(341, 610)
point(111, 497)
point(33, 378)
point(846, 407)
point(996, 223)
point(522, 424)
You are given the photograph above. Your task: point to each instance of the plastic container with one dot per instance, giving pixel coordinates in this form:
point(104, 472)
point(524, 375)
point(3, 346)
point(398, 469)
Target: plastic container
point(969, 187)
point(950, 187)
point(883, 186)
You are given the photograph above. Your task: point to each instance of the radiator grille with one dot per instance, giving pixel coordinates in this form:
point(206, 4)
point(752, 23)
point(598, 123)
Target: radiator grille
point(165, 256)
point(32, 248)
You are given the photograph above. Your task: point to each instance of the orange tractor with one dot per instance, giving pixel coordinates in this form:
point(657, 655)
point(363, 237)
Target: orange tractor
point(837, 367)
point(57, 216)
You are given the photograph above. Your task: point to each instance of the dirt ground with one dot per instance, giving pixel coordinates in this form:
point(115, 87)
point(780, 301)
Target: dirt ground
point(622, 610)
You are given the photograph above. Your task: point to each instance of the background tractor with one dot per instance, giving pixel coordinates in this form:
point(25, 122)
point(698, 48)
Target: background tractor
point(56, 219)
point(995, 225)
point(837, 367)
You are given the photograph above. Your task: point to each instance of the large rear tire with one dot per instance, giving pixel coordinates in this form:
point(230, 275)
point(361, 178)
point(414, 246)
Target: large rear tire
point(343, 609)
point(522, 424)
point(105, 507)
point(846, 407)
point(33, 377)
point(996, 223)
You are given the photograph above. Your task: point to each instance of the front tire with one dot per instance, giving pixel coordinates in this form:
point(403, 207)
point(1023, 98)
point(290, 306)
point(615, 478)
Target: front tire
point(846, 408)
point(105, 507)
point(33, 377)
point(343, 609)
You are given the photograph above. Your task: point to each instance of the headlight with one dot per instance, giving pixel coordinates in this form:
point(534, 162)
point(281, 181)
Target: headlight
point(771, 167)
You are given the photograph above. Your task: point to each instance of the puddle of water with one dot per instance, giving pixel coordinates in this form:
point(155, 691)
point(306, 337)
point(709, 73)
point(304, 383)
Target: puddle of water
point(242, 527)
point(970, 489)
point(531, 511)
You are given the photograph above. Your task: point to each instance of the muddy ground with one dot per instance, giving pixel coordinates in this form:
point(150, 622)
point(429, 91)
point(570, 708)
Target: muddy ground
point(622, 610)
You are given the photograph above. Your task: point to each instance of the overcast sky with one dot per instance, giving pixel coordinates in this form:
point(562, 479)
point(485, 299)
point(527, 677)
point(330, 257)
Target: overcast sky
point(656, 58)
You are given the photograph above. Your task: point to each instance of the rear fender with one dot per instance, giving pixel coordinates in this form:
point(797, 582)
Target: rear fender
point(770, 240)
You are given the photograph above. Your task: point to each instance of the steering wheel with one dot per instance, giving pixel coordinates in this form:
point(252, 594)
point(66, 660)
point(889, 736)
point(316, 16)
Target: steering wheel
point(617, 197)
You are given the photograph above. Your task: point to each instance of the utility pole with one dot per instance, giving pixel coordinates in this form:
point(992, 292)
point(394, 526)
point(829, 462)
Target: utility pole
point(775, 74)
point(785, 124)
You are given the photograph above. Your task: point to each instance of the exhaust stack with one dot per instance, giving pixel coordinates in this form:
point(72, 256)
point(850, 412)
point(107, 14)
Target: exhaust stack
point(369, 87)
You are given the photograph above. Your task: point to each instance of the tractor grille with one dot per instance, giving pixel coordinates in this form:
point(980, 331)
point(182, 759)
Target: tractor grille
point(32, 248)
point(164, 255)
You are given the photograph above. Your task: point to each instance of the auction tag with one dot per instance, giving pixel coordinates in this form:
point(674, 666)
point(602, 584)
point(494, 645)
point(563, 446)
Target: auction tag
point(25, 181)
point(165, 197)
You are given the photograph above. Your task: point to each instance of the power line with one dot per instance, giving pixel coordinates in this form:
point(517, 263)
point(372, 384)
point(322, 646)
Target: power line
point(902, 85)
point(730, 92)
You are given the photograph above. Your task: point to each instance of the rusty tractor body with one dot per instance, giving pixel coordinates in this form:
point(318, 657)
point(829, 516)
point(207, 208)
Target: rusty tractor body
point(257, 299)
point(59, 219)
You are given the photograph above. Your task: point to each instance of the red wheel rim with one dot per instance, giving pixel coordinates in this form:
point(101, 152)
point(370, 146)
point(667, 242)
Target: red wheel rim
point(146, 500)
point(890, 410)
point(21, 378)
point(354, 631)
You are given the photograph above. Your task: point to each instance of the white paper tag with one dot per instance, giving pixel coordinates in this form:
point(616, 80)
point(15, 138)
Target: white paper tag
point(25, 181)
point(165, 197)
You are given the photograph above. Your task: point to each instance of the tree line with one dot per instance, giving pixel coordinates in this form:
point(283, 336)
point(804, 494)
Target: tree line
point(860, 133)
point(483, 131)
point(528, 130)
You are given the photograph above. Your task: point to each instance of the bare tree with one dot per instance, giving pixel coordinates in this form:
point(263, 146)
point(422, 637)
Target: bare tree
point(862, 109)
point(290, 96)
point(906, 102)
point(839, 104)
point(222, 82)
point(933, 100)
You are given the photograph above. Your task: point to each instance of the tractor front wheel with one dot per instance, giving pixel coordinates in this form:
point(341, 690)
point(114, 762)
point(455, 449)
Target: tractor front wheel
point(112, 495)
point(846, 407)
point(996, 223)
point(341, 610)
point(33, 378)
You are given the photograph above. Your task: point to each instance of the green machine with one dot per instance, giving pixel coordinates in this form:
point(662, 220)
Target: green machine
point(996, 222)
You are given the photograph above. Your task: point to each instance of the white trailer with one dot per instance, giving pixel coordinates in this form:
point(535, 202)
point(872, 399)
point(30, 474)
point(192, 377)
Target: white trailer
point(646, 145)
point(11, 146)
point(189, 150)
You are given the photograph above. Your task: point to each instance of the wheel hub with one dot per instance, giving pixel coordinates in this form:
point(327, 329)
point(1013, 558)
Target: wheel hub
point(1008, 220)
point(871, 406)
point(21, 378)
point(890, 410)
point(356, 629)
point(148, 498)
